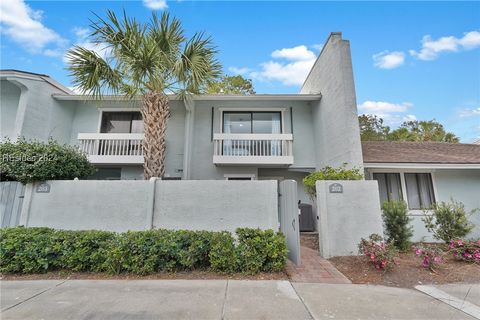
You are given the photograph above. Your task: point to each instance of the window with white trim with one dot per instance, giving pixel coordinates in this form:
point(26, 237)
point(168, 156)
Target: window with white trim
point(419, 193)
point(419, 190)
point(389, 186)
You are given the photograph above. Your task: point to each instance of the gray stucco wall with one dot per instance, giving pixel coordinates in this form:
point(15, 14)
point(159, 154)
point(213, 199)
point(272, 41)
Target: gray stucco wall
point(44, 117)
point(83, 205)
point(202, 166)
point(345, 218)
point(9, 96)
point(215, 205)
point(461, 185)
point(335, 118)
point(140, 205)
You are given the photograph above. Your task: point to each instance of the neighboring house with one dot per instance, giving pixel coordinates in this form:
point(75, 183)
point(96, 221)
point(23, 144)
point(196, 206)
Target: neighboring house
point(422, 173)
point(235, 137)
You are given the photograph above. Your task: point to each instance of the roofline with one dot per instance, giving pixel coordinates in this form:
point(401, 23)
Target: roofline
point(205, 97)
point(411, 165)
point(335, 33)
point(11, 74)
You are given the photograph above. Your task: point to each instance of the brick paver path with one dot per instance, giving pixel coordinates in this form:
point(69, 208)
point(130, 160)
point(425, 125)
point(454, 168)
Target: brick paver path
point(314, 268)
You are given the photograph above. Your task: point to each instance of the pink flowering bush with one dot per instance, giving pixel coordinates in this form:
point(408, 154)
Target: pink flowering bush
point(379, 252)
point(431, 256)
point(467, 250)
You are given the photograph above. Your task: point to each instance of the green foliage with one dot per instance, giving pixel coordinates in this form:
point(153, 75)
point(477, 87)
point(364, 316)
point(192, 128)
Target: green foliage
point(448, 221)
point(223, 254)
point(372, 128)
point(153, 56)
point(29, 161)
point(231, 85)
point(260, 250)
point(38, 250)
point(397, 224)
point(380, 253)
point(330, 173)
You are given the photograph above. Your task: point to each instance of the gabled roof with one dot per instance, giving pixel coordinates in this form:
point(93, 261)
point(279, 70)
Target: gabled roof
point(12, 74)
point(420, 152)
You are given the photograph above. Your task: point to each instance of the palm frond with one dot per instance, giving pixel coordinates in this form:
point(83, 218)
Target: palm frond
point(91, 73)
point(198, 65)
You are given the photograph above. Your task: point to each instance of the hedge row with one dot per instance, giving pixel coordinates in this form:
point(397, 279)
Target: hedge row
point(38, 250)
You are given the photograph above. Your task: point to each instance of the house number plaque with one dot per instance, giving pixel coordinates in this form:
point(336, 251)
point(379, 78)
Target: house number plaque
point(43, 188)
point(335, 188)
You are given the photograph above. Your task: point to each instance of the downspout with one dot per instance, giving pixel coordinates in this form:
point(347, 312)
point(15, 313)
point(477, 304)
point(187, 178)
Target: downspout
point(187, 149)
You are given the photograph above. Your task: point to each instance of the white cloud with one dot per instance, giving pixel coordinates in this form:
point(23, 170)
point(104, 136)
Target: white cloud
point(468, 112)
point(392, 113)
point(289, 74)
point(289, 66)
point(298, 53)
point(155, 4)
point(432, 48)
point(388, 60)
point(81, 35)
point(382, 107)
point(23, 25)
point(241, 71)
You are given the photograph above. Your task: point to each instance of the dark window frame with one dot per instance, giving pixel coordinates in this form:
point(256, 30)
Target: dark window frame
point(132, 116)
point(417, 182)
point(387, 182)
point(251, 118)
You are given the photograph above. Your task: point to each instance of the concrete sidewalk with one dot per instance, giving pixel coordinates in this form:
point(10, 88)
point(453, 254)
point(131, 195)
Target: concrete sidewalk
point(214, 299)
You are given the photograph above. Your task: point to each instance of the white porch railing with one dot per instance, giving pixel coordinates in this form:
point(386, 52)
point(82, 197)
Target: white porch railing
point(112, 148)
point(254, 149)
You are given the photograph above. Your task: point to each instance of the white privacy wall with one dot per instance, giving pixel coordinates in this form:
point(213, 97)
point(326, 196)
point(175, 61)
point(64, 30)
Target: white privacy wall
point(346, 217)
point(141, 205)
point(215, 205)
point(87, 204)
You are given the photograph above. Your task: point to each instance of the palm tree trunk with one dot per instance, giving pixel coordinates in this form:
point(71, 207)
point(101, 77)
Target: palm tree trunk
point(155, 113)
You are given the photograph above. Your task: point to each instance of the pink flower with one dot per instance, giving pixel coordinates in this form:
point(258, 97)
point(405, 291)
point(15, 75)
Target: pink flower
point(467, 255)
point(437, 259)
point(372, 257)
point(426, 262)
point(418, 252)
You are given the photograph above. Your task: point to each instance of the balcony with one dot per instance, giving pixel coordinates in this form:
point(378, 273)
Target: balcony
point(253, 149)
point(112, 148)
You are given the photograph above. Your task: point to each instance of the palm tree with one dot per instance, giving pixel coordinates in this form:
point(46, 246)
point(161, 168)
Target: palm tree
point(150, 60)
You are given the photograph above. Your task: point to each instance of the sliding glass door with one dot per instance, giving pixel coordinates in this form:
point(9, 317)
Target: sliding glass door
point(252, 123)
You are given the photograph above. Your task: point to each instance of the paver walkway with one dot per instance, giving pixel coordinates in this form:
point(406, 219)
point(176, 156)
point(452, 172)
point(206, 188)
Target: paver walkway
point(314, 269)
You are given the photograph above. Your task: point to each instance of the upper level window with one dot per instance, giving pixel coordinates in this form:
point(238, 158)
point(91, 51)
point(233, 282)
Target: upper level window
point(252, 122)
point(121, 122)
point(419, 190)
point(389, 186)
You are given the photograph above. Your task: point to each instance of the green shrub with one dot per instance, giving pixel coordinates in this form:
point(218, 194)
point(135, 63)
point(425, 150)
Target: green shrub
point(260, 250)
point(448, 221)
point(330, 173)
point(380, 253)
point(397, 224)
point(37, 250)
point(223, 254)
point(30, 161)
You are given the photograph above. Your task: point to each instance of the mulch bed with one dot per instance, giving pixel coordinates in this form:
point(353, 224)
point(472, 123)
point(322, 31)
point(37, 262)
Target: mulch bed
point(190, 275)
point(408, 271)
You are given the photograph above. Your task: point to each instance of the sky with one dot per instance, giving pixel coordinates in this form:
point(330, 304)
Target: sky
point(411, 60)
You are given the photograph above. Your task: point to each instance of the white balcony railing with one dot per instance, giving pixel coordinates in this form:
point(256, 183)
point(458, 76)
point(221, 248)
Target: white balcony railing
point(253, 149)
point(112, 148)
